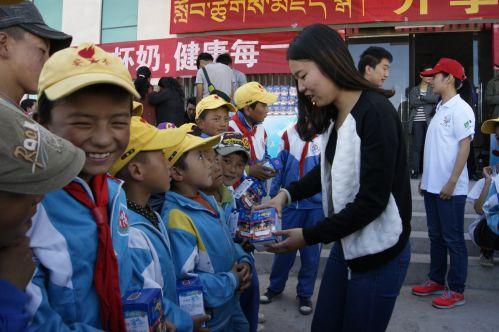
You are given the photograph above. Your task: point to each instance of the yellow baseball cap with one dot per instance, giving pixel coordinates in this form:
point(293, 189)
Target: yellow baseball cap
point(146, 137)
point(489, 126)
point(137, 108)
point(189, 143)
point(252, 92)
point(211, 102)
point(74, 68)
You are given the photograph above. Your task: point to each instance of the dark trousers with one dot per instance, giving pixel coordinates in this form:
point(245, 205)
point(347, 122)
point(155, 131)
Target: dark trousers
point(445, 219)
point(417, 145)
point(250, 300)
point(362, 302)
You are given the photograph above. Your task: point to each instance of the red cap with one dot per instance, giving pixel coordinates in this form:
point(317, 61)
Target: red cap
point(448, 66)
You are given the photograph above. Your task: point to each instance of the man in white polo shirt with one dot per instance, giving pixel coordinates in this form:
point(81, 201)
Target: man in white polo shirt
point(445, 185)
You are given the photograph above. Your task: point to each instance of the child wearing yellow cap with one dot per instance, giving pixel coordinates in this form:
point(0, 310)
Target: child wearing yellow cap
point(201, 242)
point(80, 237)
point(145, 171)
point(212, 115)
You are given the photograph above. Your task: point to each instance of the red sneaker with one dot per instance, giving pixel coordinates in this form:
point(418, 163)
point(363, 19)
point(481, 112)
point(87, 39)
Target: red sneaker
point(429, 287)
point(448, 300)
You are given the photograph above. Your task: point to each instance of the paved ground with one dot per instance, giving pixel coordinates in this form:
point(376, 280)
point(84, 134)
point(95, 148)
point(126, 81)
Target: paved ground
point(411, 314)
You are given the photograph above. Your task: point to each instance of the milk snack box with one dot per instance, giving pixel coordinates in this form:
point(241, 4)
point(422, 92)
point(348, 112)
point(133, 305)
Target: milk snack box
point(143, 310)
point(248, 193)
point(190, 296)
point(258, 227)
point(263, 225)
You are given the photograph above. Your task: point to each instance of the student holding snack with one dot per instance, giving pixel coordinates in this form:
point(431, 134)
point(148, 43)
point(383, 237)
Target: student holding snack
point(201, 243)
point(145, 171)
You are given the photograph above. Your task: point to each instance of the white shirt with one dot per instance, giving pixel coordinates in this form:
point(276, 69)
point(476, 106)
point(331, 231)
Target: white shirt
point(453, 121)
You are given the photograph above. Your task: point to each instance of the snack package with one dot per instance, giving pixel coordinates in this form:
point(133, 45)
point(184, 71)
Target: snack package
point(243, 224)
point(258, 227)
point(263, 225)
point(143, 310)
point(190, 296)
point(248, 194)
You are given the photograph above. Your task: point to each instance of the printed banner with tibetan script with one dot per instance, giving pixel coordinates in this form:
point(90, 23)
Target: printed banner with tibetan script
point(251, 53)
point(201, 15)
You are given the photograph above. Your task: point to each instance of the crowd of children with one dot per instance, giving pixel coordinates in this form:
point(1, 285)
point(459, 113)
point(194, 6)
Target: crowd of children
point(100, 205)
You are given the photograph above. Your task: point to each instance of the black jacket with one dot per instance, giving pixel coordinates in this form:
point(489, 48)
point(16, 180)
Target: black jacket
point(169, 107)
point(383, 173)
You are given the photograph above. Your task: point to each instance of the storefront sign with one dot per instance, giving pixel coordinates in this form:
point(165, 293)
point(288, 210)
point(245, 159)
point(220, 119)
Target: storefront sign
point(200, 15)
point(251, 53)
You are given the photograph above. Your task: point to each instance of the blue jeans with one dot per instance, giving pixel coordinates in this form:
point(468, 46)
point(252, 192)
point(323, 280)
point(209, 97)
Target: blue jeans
point(309, 255)
point(363, 302)
point(445, 219)
point(250, 299)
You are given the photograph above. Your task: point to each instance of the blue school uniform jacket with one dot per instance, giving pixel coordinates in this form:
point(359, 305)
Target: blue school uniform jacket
point(64, 240)
point(152, 265)
point(13, 317)
point(297, 158)
point(202, 247)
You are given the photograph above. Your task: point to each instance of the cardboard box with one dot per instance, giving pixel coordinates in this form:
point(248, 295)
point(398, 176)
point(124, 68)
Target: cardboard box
point(190, 296)
point(143, 310)
point(248, 194)
point(259, 227)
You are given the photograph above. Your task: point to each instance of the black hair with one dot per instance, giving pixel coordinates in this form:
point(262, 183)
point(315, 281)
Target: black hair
point(372, 57)
point(424, 67)
point(325, 47)
point(172, 84)
point(180, 163)
point(45, 105)
point(141, 82)
point(225, 59)
point(16, 32)
point(458, 84)
point(203, 57)
point(192, 101)
point(27, 103)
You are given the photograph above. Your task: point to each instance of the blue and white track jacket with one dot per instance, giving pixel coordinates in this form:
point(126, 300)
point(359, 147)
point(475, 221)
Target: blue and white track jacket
point(152, 265)
point(64, 240)
point(297, 158)
point(202, 247)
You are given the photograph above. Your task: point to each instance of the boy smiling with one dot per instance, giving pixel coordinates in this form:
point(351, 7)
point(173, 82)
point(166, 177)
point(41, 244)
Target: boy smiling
point(80, 236)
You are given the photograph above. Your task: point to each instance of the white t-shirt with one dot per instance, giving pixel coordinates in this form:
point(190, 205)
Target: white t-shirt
point(221, 76)
point(453, 121)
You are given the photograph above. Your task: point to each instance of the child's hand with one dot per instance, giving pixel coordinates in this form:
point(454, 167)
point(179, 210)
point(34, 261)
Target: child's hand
point(167, 326)
point(261, 172)
point(243, 273)
point(198, 321)
point(247, 246)
point(16, 264)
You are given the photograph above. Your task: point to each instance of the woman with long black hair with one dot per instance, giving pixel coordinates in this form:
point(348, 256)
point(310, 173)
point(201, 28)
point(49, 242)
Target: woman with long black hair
point(364, 181)
point(144, 88)
point(169, 102)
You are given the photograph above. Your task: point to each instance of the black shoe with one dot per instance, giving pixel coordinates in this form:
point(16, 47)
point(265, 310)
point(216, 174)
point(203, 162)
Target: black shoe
point(305, 306)
point(267, 297)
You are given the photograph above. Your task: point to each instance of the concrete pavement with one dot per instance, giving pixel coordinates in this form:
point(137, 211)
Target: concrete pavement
point(411, 314)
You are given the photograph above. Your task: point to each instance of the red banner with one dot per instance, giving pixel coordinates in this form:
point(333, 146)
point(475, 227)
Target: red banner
point(251, 53)
point(201, 15)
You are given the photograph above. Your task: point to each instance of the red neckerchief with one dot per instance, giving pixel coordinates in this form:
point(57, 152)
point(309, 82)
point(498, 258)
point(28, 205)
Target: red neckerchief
point(246, 133)
point(106, 277)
